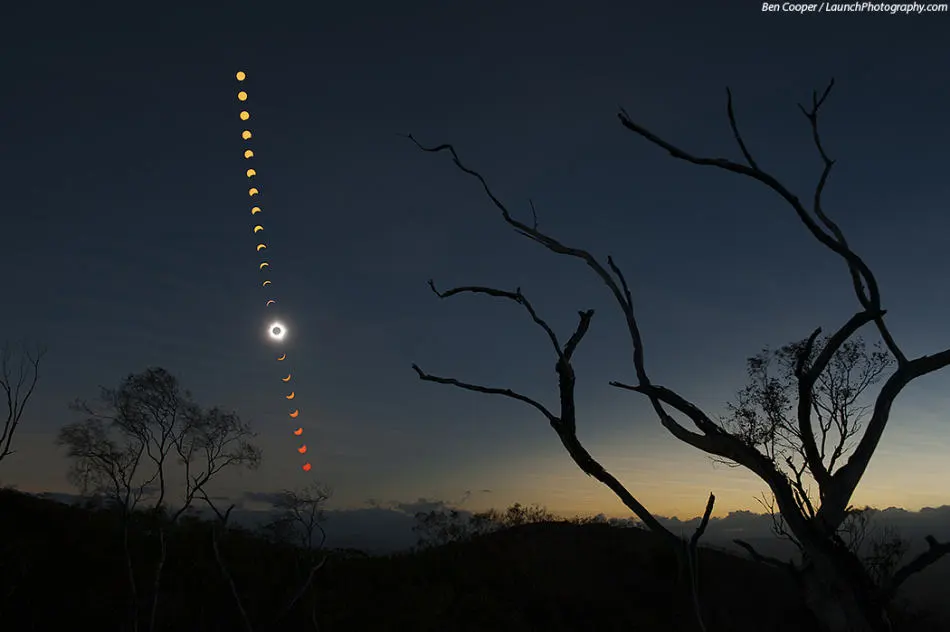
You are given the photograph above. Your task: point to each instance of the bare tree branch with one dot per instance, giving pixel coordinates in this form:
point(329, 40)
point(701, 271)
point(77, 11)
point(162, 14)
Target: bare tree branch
point(766, 559)
point(935, 551)
point(565, 423)
point(17, 388)
point(507, 392)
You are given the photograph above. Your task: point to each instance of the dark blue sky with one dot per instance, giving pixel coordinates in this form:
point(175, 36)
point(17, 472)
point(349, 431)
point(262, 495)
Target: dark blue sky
point(127, 240)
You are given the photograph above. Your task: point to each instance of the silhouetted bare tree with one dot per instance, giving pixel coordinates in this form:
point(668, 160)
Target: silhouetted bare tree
point(838, 587)
point(18, 386)
point(143, 440)
point(300, 518)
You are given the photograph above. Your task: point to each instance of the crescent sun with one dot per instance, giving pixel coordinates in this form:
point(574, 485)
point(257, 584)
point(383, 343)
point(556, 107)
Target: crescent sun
point(291, 396)
point(286, 379)
point(294, 414)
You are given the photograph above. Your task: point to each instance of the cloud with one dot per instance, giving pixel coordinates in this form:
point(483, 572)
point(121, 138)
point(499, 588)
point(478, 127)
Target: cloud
point(386, 527)
point(421, 505)
point(266, 498)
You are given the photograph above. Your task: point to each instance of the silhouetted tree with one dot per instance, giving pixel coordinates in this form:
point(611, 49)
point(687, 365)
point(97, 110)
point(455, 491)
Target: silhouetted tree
point(300, 517)
point(764, 416)
point(441, 526)
point(838, 587)
point(143, 441)
point(18, 386)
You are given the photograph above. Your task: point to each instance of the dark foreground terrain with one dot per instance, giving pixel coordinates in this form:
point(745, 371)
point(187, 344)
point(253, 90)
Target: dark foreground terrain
point(63, 567)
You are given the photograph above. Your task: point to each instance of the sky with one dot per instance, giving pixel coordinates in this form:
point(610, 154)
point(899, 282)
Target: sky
point(128, 239)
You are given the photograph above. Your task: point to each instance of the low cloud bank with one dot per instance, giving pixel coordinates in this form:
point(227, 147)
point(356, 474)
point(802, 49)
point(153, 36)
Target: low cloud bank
point(386, 527)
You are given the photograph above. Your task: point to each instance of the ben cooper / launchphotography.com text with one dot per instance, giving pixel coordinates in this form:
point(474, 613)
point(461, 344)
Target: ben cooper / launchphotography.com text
point(852, 7)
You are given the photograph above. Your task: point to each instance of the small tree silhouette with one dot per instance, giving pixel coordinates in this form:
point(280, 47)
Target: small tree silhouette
point(18, 386)
point(441, 526)
point(130, 442)
point(838, 587)
point(299, 520)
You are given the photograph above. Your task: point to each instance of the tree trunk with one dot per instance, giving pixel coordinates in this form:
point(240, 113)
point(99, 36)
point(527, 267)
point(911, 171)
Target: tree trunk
point(838, 601)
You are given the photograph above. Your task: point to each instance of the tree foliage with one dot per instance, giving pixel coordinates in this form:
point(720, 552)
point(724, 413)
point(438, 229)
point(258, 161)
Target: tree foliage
point(147, 445)
point(441, 526)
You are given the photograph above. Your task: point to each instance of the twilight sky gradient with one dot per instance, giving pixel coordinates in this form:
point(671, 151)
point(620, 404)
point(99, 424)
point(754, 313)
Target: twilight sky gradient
point(127, 238)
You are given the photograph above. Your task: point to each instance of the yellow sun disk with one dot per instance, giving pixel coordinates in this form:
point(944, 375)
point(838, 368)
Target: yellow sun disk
point(245, 115)
point(246, 134)
point(242, 96)
point(251, 173)
point(248, 154)
point(240, 75)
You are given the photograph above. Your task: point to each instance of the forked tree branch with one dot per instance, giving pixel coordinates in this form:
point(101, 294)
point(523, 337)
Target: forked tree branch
point(935, 551)
point(564, 423)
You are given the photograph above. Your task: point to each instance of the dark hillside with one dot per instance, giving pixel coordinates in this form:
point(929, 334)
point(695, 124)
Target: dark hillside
point(559, 576)
point(63, 566)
